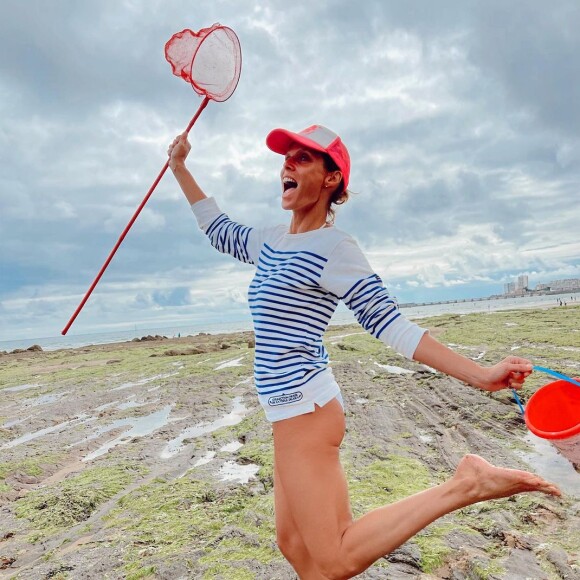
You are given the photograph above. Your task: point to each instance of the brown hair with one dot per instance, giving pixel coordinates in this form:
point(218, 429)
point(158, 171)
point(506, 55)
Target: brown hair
point(340, 195)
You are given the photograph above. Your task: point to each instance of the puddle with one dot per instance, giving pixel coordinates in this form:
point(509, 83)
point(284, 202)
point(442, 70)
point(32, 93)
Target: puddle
point(44, 399)
point(232, 447)
point(36, 434)
point(143, 381)
point(548, 462)
point(235, 362)
point(20, 388)
point(177, 445)
point(205, 459)
point(394, 370)
point(140, 427)
point(232, 471)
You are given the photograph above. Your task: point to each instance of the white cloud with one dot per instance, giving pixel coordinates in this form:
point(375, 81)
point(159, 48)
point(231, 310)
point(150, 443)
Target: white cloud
point(462, 126)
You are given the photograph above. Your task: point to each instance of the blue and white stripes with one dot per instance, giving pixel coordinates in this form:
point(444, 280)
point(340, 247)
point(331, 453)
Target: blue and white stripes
point(299, 281)
point(290, 312)
point(229, 237)
point(371, 304)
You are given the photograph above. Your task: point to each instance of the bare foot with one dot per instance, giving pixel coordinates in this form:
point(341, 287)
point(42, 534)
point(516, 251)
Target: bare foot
point(485, 481)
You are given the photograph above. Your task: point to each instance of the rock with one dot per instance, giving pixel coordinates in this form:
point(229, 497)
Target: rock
point(559, 559)
point(25, 478)
point(188, 351)
point(523, 564)
point(34, 348)
point(343, 346)
point(251, 343)
point(6, 562)
point(408, 554)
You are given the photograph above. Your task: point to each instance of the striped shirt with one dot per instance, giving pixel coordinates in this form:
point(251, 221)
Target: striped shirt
point(299, 281)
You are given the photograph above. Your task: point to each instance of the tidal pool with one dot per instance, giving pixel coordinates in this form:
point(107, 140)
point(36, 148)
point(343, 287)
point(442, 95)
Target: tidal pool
point(177, 445)
point(548, 462)
point(139, 427)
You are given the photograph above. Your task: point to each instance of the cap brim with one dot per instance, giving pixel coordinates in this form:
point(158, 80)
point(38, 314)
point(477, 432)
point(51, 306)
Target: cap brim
point(280, 140)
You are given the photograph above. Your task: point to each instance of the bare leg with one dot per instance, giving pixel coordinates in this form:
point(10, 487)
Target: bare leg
point(288, 537)
point(315, 489)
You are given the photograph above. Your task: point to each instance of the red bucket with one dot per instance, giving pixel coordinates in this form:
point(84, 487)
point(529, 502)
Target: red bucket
point(553, 413)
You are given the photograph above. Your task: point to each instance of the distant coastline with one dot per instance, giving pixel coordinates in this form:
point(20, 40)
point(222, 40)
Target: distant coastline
point(526, 294)
point(414, 311)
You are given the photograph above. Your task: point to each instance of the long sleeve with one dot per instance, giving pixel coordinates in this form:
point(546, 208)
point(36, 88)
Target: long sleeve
point(225, 235)
point(349, 276)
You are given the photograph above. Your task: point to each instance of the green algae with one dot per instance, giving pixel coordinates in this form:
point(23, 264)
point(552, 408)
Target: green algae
point(105, 368)
point(555, 326)
point(241, 521)
point(432, 546)
point(73, 500)
point(385, 481)
point(32, 466)
point(225, 558)
point(227, 572)
point(389, 480)
point(180, 516)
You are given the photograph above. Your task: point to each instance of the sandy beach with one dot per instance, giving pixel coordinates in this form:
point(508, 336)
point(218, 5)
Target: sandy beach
point(152, 458)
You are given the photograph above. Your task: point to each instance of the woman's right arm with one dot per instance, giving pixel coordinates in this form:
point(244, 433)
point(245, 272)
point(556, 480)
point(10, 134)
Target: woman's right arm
point(225, 235)
point(178, 152)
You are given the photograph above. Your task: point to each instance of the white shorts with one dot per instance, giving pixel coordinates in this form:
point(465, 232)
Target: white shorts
point(318, 391)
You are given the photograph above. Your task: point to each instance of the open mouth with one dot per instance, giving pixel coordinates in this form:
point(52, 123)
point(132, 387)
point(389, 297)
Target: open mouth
point(289, 183)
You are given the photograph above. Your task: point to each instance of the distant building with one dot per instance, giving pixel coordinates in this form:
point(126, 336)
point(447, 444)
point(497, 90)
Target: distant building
point(509, 288)
point(565, 285)
point(522, 284)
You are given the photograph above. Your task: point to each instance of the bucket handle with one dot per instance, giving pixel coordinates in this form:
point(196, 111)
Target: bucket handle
point(548, 372)
point(518, 401)
point(556, 374)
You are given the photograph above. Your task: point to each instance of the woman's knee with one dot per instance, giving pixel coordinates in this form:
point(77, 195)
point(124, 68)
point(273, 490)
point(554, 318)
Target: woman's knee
point(290, 544)
point(337, 568)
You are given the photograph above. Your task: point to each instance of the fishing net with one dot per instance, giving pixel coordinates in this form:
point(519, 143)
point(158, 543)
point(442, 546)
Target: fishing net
point(210, 60)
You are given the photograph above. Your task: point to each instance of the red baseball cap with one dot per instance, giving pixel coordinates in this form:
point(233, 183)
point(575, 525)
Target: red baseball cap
point(315, 137)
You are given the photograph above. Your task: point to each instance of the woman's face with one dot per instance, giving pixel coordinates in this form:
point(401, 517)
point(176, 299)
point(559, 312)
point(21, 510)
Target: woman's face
point(303, 179)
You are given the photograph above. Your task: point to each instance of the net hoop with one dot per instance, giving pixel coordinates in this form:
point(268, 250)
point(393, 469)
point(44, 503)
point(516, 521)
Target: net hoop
point(210, 60)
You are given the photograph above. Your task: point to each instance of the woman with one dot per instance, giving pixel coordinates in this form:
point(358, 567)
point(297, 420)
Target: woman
point(302, 271)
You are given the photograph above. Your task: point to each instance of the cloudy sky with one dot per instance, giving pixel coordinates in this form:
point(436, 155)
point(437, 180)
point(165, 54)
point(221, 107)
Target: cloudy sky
point(461, 117)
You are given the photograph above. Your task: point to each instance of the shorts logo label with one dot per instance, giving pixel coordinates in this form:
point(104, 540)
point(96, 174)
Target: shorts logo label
point(284, 399)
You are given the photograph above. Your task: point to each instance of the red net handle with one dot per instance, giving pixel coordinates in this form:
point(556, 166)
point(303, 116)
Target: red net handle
point(129, 225)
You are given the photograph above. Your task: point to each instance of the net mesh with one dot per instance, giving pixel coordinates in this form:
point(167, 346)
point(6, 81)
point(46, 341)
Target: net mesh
point(210, 60)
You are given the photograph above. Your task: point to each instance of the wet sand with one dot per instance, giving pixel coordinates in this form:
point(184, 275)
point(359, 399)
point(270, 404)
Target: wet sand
point(152, 459)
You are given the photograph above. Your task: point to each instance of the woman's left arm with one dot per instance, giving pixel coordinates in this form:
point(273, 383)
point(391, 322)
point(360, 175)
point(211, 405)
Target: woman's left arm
point(509, 373)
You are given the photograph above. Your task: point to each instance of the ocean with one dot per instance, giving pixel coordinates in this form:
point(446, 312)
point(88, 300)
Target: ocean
point(342, 316)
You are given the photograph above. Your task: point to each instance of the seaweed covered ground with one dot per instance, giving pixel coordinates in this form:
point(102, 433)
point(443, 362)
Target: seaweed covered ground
point(152, 459)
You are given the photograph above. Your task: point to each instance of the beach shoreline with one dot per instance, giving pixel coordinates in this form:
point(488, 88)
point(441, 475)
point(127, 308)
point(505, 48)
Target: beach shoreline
point(153, 457)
